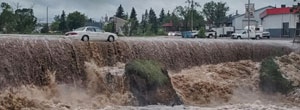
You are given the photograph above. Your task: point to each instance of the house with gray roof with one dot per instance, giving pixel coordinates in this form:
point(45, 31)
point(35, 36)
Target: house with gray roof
point(240, 22)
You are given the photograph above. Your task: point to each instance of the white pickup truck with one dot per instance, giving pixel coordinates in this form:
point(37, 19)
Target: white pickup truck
point(254, 33)
point(208, 34)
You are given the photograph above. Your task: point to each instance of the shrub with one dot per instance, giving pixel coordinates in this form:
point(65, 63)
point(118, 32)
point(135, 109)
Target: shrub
point(161, 31)
point(201, 33)
point(271, 79)
point(149, 70)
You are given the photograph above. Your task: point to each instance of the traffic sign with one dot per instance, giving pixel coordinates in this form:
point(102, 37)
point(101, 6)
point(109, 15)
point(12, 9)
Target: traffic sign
point(249, 10)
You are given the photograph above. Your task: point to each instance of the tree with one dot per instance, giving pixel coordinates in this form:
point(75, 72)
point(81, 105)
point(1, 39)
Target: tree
point(76, 20)
point(177, 21)
point(7, 19)
point(153, 21)
point(162, 16)
point(26, 20)
point(167, 18)
point(55, 24)
point(215, 13)
point(109, 27)
point(120, 13)
point(187, 15)
point(133, 14)
point(22, 20)
point(144, 22)
point(134, 22)
point(63, 26)
point(45, 29)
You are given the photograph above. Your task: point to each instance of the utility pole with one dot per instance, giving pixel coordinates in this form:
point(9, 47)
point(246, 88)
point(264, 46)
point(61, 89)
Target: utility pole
point(47, 22)
point(248, 19)
point(18, 6)
point(295, 9)
point(192, 15)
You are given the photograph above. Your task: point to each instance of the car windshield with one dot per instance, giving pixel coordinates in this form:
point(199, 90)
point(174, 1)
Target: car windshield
point(239, 31)
point(80, 29)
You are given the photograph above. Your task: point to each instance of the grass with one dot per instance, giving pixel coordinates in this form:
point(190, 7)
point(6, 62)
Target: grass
point(271, 79)
point(147, 69)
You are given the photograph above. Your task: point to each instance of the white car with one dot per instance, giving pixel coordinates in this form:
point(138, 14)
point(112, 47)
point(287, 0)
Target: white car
point(91, 33)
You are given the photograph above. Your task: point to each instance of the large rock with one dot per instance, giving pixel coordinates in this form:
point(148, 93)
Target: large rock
point(149, 91)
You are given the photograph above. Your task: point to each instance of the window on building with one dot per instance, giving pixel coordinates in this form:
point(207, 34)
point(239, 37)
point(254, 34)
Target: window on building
point(285, 28)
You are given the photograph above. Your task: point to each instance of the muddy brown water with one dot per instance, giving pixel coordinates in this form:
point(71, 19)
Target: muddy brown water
point(29, 65)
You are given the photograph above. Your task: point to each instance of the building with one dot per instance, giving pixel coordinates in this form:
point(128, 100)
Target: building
point(280, 22)
point(119, 24)
point(240, 22)
point(170, 26)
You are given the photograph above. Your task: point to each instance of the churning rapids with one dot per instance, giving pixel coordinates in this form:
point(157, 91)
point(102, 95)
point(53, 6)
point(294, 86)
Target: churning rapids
point(59, 74)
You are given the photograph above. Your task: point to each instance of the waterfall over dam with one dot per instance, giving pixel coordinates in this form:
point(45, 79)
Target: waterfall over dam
point(26, 61)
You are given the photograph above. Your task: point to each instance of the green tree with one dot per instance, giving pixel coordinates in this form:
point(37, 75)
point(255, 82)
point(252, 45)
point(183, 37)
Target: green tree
point(167, 18)
point(7, 19)
point(55, 24)
point(162, 16)
point(45, 29)
point(215, 12)
point(26, 21)
point(109, 27)
point(176, 21)
point(134, 22)
point(120, 13)
point(153, 22)
point(144, 22)
point(192, 18)
point(63, 26)
point(133, 14)
point(186, 14)
point(76, 20)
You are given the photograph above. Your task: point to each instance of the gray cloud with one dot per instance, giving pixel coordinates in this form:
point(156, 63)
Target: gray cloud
point(99, 8)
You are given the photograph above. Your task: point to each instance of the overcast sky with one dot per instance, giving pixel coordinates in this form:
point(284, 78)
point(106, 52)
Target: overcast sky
point(96, 9)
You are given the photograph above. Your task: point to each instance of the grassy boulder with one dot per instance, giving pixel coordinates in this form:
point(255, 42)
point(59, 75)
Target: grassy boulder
point(148, 70)
point(149, 82)
point(271, 79)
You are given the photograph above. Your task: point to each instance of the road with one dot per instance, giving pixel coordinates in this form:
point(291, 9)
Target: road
point(282, 41)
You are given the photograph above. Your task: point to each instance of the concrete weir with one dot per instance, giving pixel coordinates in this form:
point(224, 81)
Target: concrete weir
point(25, 61)
point(39, 73)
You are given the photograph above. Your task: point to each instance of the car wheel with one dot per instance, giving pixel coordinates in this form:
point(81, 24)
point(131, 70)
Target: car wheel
point(257, 37)
point(268, 37)
point(111, 38)
point(239, 37)
point(85, 38)
point(195, 36)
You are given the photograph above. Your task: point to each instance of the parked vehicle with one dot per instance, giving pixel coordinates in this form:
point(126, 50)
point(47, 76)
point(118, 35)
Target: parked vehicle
point(176, 33)
point(208, 34)
point(211, 34)
point(91, 33)
point(224, 31)
point(254, 33)
point(188, 34)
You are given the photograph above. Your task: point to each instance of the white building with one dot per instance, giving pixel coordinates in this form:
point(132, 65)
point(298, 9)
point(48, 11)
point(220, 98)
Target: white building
point(240, 22)
point(280, 22)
